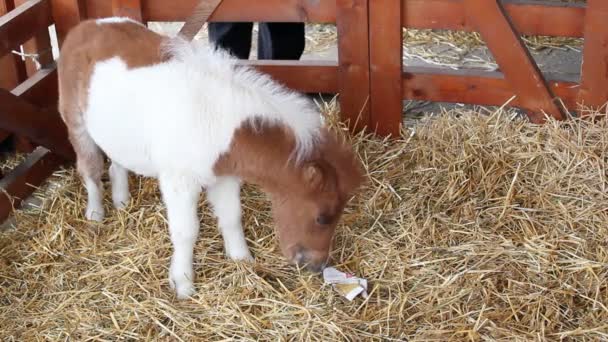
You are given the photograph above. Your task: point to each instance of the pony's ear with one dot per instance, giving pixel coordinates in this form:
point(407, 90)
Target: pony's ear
point(348, 167)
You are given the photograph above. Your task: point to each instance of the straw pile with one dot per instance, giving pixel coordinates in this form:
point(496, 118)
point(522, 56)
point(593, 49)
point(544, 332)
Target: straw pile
point(475, 226)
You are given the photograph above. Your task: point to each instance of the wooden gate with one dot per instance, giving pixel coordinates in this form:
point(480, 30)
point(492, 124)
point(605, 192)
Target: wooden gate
point(500, 23)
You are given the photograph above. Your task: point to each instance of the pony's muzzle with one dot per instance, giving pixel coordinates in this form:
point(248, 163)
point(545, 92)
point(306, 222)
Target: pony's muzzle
point(311, 260)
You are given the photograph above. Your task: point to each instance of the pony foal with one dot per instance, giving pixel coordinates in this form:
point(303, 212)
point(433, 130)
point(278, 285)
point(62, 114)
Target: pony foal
point(192, 118)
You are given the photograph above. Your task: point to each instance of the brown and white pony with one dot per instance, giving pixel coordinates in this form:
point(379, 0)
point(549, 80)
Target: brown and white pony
point(189, 116)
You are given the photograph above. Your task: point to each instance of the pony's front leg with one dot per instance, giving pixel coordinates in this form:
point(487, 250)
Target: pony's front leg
point(180, 195)
point(224, 197)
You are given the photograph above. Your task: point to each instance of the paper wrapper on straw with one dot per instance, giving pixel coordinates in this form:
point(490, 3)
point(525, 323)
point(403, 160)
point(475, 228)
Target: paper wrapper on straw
point(345, 284)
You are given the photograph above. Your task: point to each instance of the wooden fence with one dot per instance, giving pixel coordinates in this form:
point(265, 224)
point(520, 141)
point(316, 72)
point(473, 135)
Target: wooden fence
point(369, 73)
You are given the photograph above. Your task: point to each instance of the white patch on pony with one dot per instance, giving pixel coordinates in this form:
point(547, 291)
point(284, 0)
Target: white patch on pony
point(190, 106)
point(116, 20)
point(225, 200)
point(95, 210)
point(119, 179)
point(250, 94)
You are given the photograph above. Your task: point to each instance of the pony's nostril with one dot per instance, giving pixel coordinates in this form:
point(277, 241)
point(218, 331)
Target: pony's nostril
point(316, 268)
point(299, 258)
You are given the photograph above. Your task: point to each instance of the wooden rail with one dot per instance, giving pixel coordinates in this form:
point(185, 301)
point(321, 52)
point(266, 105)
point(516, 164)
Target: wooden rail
point(500, 24)
point(20, 24)
point(545, 18)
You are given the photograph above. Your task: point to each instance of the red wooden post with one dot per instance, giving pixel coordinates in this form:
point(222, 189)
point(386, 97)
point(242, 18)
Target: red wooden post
point(594, 79)
point(39, 45)
point(9, 72)
point(127, 8)
point(353, 59)
point(490, 19)
point(67, 14)
point(386, 60)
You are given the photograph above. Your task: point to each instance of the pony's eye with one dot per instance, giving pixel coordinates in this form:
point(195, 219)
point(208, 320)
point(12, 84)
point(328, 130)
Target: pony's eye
point(323, 219)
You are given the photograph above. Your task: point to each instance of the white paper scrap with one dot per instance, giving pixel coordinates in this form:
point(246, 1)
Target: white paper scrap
point(346, 284)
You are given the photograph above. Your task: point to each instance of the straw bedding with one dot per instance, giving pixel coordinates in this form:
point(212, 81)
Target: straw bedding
point(473, 226)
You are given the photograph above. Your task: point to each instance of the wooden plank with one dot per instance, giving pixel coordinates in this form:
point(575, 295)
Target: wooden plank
point(41, 89)
point(40, 44)
point(200, 15)
point(127, 8)
point(23, 180)
point(386, 55)
point(473, 87)
point(20, 24)
point(12, 68)
point(304, 76)
point(323, 11)
point(594, 78)
point(513, 58)
point(43, 127)
point(353, 60)
point(67, 14)
point(529, 17)
point(9, 76)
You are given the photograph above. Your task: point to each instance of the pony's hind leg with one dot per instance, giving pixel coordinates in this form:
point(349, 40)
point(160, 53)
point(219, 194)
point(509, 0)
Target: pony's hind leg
point(119, 178)
point(224, 197)
point(90, 167)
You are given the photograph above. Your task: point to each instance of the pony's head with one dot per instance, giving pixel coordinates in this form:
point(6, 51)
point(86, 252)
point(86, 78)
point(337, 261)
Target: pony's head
point(308, 209)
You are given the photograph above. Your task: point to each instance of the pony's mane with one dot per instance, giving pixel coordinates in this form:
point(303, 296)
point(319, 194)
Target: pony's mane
point(280, 105)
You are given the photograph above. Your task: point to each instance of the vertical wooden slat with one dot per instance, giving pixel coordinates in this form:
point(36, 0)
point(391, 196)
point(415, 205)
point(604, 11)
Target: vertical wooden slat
point(520, 70)
point(353, 59)
point(127, 8)
point(11, 71)
point(39, 45)
point(386, 59)
point(594, 76)
point(9, 77)
point(44, 127)
point(67, 14)
point(9, 68)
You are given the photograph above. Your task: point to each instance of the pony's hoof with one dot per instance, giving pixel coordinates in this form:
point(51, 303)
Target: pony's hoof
point(182, 284)
point(242, 256)
point(94, 214)
point(184, 291)
point(121, 202)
